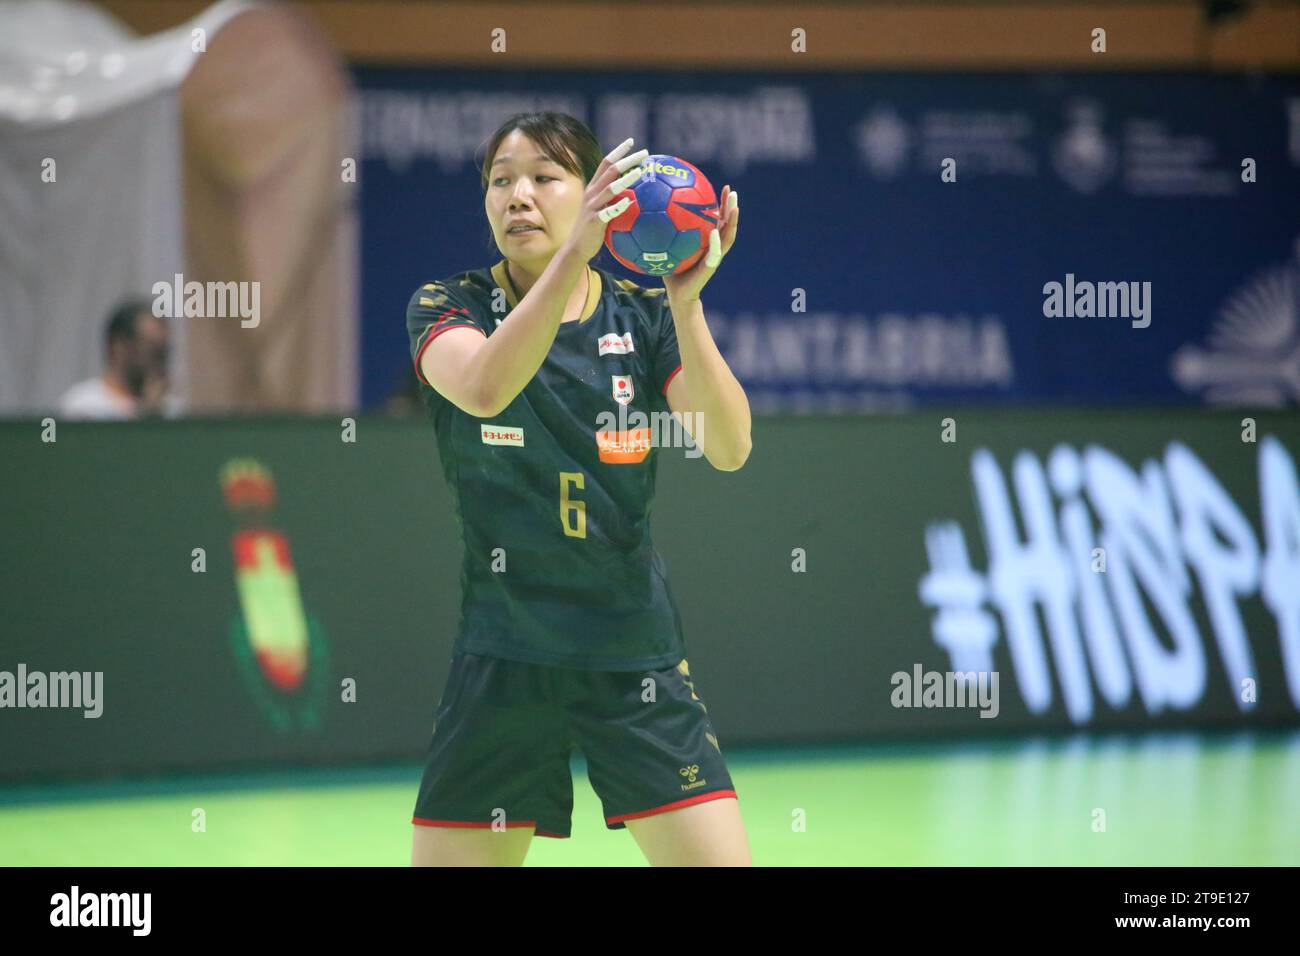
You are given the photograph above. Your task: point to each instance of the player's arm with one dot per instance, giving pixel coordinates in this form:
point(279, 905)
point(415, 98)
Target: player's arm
point(482, 374)
point(704, 384)
point(446, 364)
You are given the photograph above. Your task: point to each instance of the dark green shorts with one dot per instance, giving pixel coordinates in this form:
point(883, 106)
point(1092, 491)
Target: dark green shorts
point(505, 731)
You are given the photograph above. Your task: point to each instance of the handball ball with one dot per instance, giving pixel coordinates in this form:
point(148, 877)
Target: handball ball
point(666, 228)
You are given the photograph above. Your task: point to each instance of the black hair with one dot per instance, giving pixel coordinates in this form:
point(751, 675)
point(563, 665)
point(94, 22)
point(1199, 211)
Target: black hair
point(120, 326)
point(564, 138)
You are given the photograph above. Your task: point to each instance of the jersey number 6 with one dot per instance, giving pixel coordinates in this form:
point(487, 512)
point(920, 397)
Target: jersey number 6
point(577, 527)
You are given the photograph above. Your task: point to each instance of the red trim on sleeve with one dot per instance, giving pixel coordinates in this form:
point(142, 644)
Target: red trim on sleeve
point(670, 378)
point(717, 794)
point(455, 313)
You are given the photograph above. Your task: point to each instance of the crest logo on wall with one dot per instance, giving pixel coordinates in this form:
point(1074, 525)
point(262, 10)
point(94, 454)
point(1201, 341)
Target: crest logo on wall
point(280, 650)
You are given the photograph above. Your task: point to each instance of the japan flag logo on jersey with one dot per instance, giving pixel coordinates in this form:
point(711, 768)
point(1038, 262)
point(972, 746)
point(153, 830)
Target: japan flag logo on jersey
point(622, 388)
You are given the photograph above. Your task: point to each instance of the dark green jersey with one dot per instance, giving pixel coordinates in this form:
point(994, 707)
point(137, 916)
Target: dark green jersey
point(554, 504)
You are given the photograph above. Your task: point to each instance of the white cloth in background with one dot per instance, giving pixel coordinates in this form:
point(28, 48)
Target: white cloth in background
point(95, 398)
point(79, 89)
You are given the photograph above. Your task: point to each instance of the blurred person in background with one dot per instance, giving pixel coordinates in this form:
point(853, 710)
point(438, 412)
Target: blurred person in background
point(135, 383)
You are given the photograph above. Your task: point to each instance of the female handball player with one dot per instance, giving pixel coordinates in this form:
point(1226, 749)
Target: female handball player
point(569, 635)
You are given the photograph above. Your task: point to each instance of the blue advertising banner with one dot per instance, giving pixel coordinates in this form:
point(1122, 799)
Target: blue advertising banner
point(908, 240)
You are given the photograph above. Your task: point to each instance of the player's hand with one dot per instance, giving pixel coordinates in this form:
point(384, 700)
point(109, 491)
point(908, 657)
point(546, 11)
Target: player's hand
point(598, 207)
point(686, 286)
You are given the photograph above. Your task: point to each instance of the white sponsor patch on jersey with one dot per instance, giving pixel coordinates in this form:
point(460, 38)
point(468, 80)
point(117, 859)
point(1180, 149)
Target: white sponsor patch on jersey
point(618, 344)
point(622, 388)
point(502, 435)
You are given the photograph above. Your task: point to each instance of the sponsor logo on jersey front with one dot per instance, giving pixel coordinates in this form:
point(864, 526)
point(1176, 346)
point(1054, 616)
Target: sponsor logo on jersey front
point(502, 435)
point(623, 447)
point(622, 388)
point(618, 344)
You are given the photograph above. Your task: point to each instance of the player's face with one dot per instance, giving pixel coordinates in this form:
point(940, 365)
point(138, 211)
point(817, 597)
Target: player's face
point(524, 183)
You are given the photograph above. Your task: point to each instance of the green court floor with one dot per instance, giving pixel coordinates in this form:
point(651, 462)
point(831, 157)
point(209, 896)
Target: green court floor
point(1166, 800)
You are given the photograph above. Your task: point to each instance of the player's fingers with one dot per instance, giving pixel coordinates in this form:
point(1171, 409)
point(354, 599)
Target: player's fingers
point(609, 169)
point(611, 172)
point(618, 185)
point(614, 210)
point(612, 157)
point(636, 159)
point(619, 151)
point(733, 225)
point(714, 255)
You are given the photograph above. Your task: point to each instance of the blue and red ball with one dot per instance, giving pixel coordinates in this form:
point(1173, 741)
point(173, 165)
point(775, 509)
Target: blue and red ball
point(666, 228)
